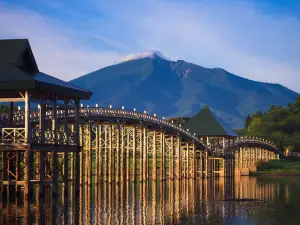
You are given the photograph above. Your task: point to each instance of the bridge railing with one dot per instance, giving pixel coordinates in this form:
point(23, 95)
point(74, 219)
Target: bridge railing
point(90, 112)
point(255, 139)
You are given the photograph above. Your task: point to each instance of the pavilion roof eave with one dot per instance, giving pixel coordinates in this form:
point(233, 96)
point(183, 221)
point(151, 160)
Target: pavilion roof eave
point(39, 86)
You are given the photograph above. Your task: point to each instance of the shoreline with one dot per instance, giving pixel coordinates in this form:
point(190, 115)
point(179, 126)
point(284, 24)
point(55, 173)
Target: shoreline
point(269, 173)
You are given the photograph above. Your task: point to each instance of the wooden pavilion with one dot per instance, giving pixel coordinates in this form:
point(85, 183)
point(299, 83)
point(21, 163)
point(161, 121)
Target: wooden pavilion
point(30, 152)
point(217, 136)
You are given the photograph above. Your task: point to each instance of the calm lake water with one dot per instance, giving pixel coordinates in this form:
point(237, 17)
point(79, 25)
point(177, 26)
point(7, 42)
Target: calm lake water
point(247, 200)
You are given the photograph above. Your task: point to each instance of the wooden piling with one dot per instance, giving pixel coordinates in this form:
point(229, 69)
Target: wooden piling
point(178, 159)
point(154, 171)
point(141, 153)
point(145, 155)
point(134, 154)
point(171, 158)
point(122, 178)
point(128, 155)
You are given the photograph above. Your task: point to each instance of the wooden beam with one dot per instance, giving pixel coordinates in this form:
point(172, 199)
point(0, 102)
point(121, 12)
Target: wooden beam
point(12, 99)
point(27, 117)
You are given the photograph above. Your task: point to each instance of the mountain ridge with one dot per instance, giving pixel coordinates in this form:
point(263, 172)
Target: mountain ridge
point(179, 88)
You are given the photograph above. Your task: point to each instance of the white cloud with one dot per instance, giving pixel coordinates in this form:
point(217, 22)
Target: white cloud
point(235, 36)
point(55, 46)
point(111, 42)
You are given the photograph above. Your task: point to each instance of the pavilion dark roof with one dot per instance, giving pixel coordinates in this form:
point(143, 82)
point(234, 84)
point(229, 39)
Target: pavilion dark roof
point(19, 71)
point(206, 123)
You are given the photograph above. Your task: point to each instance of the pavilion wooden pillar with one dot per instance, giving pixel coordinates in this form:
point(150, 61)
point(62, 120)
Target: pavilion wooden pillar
point(54, 153)
point(11, 114)
point(66, 154)
point(77, 155)
point(27, 153)
point(42, 153)
point(154, 154)
point(27, 117)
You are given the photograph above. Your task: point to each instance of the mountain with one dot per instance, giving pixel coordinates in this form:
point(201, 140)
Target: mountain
point(149, 81)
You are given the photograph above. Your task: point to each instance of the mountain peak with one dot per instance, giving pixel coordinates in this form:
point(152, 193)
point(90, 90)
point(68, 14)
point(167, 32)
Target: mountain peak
point(141, 55)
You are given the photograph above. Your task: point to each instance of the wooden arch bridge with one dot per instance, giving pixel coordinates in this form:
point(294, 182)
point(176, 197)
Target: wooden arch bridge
point(62, 142)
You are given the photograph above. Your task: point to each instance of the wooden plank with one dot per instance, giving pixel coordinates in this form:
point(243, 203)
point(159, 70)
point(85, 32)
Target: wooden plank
point(12, 99)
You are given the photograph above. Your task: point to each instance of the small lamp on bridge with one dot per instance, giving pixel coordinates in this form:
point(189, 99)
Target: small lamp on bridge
point(123, 107)
point(39, 106)
point(81, 105)
point(134, 109)
point(110, 106)
point(97, 105)
point(154, 114)
point(145, 111)
point(163, 117)
point(19, 108)
point(88, 106)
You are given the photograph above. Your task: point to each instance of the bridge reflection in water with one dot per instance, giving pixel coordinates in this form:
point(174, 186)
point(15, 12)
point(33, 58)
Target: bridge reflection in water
point(190, 201)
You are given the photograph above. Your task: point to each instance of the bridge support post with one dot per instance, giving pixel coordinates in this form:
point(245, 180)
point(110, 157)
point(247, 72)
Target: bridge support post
point(110, 155)
point(141, 153)
point(178, 159)
point(89, 155)
point(134, 154)
point(128, 155)
point(54, 174)
point(145, 155)
point(154, 158)
point(122, 154)
point(171, 158)
point(194, 173)
point(187, 174)
point(118, 150)
point(97, 143)
point(81, 158)
point(105, 161)
point(27, 173)
point(163, 158)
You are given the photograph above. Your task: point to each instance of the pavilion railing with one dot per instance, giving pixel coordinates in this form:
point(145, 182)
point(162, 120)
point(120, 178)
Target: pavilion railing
point(17, 135)
point(13, 135)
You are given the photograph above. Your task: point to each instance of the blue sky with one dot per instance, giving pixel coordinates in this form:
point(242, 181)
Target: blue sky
point(258, 40)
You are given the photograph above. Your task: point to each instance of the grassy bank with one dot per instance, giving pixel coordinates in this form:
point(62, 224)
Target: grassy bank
point(279, 167)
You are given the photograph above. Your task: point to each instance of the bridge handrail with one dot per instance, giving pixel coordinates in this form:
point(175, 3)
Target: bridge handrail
point(109, 112)
point(262, 140)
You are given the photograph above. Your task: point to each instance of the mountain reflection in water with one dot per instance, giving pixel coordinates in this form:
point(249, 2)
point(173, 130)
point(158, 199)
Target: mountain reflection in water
point(245, 200)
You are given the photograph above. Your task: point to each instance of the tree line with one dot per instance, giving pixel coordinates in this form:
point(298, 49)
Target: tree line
point(279, 124)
